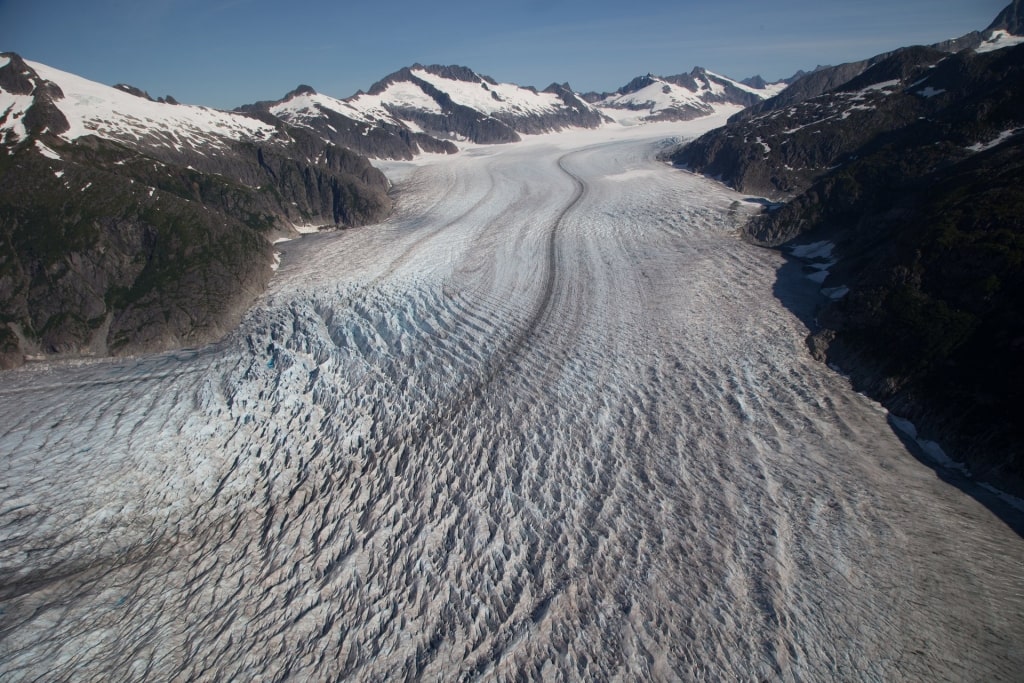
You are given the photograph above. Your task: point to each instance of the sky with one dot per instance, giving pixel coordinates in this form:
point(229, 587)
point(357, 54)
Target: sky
point(225, 53)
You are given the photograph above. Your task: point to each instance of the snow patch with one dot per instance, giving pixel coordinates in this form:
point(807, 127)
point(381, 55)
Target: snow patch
point(46, 151)
point(307, 228)
point(930, 91)
point(835, 293)
point(303, 108)
point(884, 85)
point(822, 249)
point(412, 125)
point(930, 448)
point(998, 140)
point(998, 40)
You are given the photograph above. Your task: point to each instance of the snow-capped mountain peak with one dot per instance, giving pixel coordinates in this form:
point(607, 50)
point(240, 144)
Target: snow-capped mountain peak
point(456, 102)
point(679, 98)
point(36, 98)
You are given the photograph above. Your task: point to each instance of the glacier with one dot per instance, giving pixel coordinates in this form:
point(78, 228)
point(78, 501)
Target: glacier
point(547, 422)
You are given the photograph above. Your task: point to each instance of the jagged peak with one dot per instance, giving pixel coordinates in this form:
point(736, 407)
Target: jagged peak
point(17, 77)
point(638, 83)
point(302, 89)
point(757, 82)
point(454, 72)
point(556, 88)
point(1011, 19)
point(132, 90)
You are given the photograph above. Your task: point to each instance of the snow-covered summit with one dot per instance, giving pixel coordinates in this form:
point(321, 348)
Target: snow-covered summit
point(679, 98)
point(427, 88)
point(38, 98)
point(429, 108)
point(457, 102)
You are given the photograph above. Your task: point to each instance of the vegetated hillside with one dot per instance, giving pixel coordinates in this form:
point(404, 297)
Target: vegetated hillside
point(914, 170)
point(128, 224)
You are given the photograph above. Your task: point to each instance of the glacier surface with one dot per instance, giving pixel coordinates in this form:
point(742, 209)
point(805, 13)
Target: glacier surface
point(547, 422)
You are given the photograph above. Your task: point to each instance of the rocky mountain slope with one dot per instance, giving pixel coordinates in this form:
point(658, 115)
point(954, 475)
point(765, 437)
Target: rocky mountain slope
point(903, 189)
point(681, 98)
point(130, 224)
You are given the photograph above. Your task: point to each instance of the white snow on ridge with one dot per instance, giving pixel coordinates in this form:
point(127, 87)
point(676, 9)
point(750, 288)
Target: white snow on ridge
point(661, 95)
point(511, 97)
point(13, 108)
point(96, 109)
point(401, 94)
point(304, 107)
point(46, 151)
point(769, 90)
point(997, 140)
point(998, 41)
point(658, 96)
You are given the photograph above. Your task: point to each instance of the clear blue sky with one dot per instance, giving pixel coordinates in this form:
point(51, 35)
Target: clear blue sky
point(225, 53)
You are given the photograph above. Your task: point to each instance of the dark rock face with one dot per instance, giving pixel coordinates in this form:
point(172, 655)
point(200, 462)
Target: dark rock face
point(1011, 19)
point(755, 82)
point(119, 247)
point(132, 90)
point(914, 168)
point(782, 151)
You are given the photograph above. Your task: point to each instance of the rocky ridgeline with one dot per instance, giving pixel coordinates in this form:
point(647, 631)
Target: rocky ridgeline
point(382, 138)
point(499, 124)
point(908, 168)
point(683, 97)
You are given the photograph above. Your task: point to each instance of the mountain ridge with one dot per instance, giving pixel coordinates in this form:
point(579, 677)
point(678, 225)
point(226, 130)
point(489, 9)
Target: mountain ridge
point(122, 213)
point(897, 182)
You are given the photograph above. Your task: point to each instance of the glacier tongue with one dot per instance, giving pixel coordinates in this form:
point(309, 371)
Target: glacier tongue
point(546, 422)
